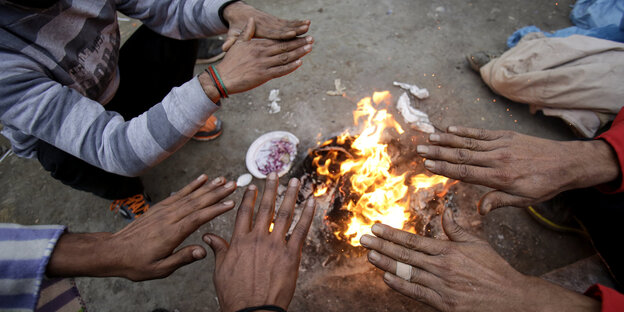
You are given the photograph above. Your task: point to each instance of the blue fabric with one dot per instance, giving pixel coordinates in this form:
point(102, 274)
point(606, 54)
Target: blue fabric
point(602, 19)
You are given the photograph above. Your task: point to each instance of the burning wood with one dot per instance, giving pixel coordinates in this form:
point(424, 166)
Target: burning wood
point(373, 176)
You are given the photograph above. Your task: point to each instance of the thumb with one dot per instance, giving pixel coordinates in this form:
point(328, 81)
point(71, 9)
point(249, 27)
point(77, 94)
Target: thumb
point(453, 230)
point(232, 36)
point(182, 257)
point(249, 30)
point(218, 245)
point(498, 199)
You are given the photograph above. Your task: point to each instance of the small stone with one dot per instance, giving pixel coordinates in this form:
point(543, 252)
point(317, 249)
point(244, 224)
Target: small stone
point(244, 180)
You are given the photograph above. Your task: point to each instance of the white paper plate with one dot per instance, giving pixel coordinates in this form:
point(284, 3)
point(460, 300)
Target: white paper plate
point(250, 158)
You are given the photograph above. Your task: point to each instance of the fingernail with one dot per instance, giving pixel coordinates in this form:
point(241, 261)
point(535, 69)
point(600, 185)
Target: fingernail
point(374, 256)
point(387, 276)
point(365, 240)
point(272, 176)
point(485, 209)
point(293, 182)
point(448, 213)
point(207, 239)
point(198, 254)
point(298, 62)
point(217, 181)
point(307, 47)
point(429, 164)
point(251, 187)
point(377, 229)
point(452, 129)
point(228, 203)
point(201, 177)
point(434, 137)
point(309, 39)
point(229, 184)
point(421, 149)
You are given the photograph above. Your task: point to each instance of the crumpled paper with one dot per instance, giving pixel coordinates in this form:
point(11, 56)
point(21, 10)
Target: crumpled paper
point(417, 119)
point(413, 89)
point(274, 107)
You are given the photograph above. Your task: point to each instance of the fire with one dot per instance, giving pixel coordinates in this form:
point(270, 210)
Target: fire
point(380, 195)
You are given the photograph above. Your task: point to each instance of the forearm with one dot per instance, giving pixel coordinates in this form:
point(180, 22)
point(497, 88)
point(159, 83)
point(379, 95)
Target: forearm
point(541, 295)
point(82, 254)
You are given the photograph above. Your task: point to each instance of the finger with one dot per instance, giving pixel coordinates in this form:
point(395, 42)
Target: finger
point(453, 230)
point(209, 187)
point(388, 264)
point(303, 225)
point(452, 140)
point(189, 188)
point(289, 57)
point(208, 198)
point(279, 71)
point(463, 172)
point(285, 212)
point(193, 221)
point(414, 291)
point(409, 240)
point(398, 252)
point(248, 31)
point(242, 225)
point(218, 245)
point(498, 199)
point(479, 134)
point(180, 258)
point(232, 36)
point(267, 203)
point(455, 155)
point(279, 47)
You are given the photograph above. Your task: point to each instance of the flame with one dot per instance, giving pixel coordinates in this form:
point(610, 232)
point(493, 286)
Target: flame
point(320, 190)
point(381, 196)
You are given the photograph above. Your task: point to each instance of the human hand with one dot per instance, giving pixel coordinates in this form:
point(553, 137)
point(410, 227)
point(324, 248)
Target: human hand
point(260, 267)
point(250, 63)
point(463, 274)
point(145, 249)
point(267, 26)
point(523, 170)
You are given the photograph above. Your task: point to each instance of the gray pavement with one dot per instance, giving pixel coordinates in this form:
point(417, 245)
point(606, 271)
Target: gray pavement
point(367, 44)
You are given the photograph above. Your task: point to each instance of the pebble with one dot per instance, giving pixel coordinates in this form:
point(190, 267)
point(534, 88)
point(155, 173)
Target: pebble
point(244, 180)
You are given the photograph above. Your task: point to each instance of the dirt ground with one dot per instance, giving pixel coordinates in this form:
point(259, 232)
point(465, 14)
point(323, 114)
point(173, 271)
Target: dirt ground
point(367, 44)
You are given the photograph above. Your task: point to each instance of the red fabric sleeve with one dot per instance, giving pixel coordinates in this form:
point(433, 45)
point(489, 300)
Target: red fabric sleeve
point(612, 301)
point(615, 137)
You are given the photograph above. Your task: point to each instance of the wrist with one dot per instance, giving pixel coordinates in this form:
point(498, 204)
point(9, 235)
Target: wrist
point(82, 254)
point(231, 8)
point(597, 163)
point(209, 87)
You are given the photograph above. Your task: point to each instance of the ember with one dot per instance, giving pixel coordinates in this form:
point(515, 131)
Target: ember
point(369, 180)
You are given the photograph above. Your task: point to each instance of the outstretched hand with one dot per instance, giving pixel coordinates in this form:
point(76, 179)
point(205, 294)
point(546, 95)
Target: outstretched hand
point(463, 274)
point(523, 170)
point(267, 26)
point(260, 267)
point(146, 248)
point(250, 63)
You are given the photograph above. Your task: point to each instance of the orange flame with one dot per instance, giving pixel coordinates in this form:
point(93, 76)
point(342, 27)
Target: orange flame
point(381, 195)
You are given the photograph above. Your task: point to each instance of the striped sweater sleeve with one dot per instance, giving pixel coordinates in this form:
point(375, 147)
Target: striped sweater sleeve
point(23, 260)
point(38, 106)
point(179, 19)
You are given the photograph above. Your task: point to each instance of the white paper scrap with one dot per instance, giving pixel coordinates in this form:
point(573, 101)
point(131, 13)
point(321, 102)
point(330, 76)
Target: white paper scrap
point(413, 89)
point(417, 119)
point(274, 107)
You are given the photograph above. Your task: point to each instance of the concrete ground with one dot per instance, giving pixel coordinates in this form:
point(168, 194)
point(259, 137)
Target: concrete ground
point(367, 44)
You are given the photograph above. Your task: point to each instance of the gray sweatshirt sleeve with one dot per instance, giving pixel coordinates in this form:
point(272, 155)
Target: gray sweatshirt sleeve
point(43, 108)
point(180, 19)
